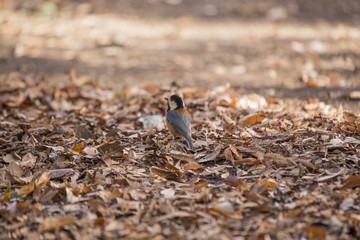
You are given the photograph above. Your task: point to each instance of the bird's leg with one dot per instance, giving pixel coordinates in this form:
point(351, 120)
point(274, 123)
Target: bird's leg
point(172, 140)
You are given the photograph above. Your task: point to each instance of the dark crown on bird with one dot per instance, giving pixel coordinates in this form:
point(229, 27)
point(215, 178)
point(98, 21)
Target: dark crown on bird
point(177, 100)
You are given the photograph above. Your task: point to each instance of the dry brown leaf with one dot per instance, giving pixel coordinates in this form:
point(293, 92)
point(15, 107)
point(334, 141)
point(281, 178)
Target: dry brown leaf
point(350, 117)
point(252, 119)
point(132, 156)
point(15, 169)
point(56, 222)
point(8, 158)
point(84, 133)
point(168, 175)
point(108, 161)
point(270, 184)
point(71, 197)
point(234, 181)
point(278, 160)
point(228, 155)
point(212, 156)
point(182, 156)
point(58, 173)
point(27, 189)
point(351, 182)
point(180, 173)
point(308, 164)
point(293, 213)
point(43, 180)
point(108, 196)
point(192, 166)
point(235, 151)
point(90, 151)
point(315, 232)
point(225, 207)
point(248, 161)
point(28, 160)
point(201, 184)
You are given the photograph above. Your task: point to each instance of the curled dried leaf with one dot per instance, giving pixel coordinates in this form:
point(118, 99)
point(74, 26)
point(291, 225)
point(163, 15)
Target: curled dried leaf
point(167, 174)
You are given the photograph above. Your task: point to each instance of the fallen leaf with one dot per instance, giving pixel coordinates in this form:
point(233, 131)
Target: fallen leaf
point(278, 160)
point(351, 182)
point(228, 155)
point(212, 156)
point(58, 173)
point(347, 203)
point(90, 151)
point(83, 133)
point(233, 181)
point(308, 164)
point(201, 184)
point(71, 197)
point(8, 158)
point(182, 156)
point(315, 232)
point(28, 160)
point(15, 169)
point(192, 166)
point(43, 180)
point(180, 173)
point(168, 193)
point(51, 223)
point(78, 147)
point(7, 195)
point(168, 175)
point(252, 119)
point(27, 189)
point(225, 207)
point(325, 178)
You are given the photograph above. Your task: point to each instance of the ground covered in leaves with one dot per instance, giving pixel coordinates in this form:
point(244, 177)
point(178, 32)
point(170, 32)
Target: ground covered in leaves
point(80, 161)
point(272, 88)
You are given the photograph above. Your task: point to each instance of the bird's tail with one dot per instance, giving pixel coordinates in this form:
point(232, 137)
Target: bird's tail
point(190, 144)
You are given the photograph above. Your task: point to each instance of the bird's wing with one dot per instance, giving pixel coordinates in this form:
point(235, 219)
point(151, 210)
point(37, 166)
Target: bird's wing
point(181, 122)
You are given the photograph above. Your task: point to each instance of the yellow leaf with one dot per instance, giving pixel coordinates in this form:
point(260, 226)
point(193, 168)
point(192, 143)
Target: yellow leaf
point(78, 147)
point(7, 195)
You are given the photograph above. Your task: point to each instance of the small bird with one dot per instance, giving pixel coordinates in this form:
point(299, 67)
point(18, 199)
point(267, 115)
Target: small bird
point(178, 119)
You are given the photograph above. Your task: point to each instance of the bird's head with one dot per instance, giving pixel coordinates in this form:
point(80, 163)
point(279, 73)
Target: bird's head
point(175, 102)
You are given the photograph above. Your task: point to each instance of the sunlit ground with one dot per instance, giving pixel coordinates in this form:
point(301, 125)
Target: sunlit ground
point(274, 54)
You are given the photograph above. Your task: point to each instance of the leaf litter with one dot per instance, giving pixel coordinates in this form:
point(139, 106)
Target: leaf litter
point(82, 161)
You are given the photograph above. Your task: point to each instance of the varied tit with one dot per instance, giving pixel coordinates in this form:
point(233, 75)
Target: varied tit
point(178, 119)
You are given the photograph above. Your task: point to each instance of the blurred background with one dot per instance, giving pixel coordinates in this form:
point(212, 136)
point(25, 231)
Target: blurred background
point(280, 48)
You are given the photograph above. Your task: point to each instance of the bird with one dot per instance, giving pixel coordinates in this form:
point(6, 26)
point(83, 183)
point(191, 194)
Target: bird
point(178, 119)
